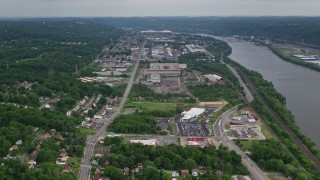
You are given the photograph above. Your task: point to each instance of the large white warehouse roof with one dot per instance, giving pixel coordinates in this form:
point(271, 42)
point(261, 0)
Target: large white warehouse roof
point(192, 113)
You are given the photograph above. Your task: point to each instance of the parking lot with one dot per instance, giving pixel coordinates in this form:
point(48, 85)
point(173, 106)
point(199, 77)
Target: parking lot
point(244, 132)
point(193, 129)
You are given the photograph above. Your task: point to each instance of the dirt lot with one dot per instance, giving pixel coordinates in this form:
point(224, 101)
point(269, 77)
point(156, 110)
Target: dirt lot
point(216, 104)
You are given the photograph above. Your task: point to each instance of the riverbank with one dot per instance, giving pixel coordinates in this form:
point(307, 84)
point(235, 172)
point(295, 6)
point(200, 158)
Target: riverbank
point(296, 83)
point(284, 57)
point(268, 103)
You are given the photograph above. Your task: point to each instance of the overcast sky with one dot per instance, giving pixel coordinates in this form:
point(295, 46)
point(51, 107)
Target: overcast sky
point(62, 8)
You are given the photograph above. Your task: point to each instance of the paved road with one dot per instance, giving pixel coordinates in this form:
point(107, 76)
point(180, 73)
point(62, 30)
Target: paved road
point(218, 128)
point(249, 96)
point(93, 140)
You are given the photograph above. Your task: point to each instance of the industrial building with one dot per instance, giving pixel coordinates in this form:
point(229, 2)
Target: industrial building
point(155, 78)
point(307, 58)
point(192, 114)
point(193, 48)
point(169, 55)
point(158, 70)
point(165, 69)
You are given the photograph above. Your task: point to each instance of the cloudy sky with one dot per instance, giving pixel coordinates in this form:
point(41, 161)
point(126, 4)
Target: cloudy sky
point(62, 8)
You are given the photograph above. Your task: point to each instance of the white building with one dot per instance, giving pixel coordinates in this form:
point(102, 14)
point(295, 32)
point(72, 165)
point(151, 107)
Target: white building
point(154, 78)
point(192, 114)
point(148, 142)
point(213, 77)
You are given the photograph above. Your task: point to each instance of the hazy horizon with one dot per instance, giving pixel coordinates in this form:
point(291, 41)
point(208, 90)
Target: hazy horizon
point(157, 8)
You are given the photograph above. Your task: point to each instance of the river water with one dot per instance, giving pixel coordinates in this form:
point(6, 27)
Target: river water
point(300, 85)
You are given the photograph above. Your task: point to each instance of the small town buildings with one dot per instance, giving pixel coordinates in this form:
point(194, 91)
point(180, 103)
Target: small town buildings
point(175, 174)
point(94, 162)
point(19, 142)
point(126, 171)
point(14, 147)
point(31, 164)
point(66, 169)
point(194, 172)
point(184, 172)
point(97, 173)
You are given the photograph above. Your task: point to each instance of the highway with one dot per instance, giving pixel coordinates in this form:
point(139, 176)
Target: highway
point(101, 133)
point(218, 128)
point(256, 172)
point(249, 96)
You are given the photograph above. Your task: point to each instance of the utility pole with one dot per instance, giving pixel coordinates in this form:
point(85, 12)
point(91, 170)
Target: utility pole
point(7, 65)
point(76, 69)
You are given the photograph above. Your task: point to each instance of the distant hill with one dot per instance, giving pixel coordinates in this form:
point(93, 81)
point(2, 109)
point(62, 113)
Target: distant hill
point(296, 29)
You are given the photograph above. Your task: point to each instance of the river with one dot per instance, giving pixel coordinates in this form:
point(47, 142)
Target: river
point(300, 85)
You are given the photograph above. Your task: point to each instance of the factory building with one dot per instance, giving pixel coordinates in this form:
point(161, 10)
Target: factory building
point(155, 78)
point(193, 48)
point(157, 70)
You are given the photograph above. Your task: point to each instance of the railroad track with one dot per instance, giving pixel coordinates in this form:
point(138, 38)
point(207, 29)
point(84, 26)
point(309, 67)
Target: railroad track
point(294, 137)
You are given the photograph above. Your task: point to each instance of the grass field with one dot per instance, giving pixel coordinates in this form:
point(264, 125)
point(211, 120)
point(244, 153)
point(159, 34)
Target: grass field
point(86, 131)
point(174, 129)
point(229, 133)
point(74, 163)
point(152, 106)
point(246, 145)
point(265, 131)
point(290, 49)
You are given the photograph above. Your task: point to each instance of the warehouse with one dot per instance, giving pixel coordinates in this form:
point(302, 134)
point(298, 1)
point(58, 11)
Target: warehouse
point(192, 114)
point(193, 48)
point(164, 70)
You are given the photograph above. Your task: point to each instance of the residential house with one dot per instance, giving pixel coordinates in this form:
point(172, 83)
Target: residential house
point(66, 169)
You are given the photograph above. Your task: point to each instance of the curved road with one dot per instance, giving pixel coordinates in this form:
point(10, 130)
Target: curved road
point(218, 128)
point(93, 140)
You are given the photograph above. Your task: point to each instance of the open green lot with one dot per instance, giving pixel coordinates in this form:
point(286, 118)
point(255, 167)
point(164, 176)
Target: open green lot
point(291, 49)
point(266, 132)
point(86, 131)
point(174, 129)
point(152, 106)
point(74, 163)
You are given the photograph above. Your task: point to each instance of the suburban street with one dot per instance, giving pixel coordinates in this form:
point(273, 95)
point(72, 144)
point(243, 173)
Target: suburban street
point(93, 139)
